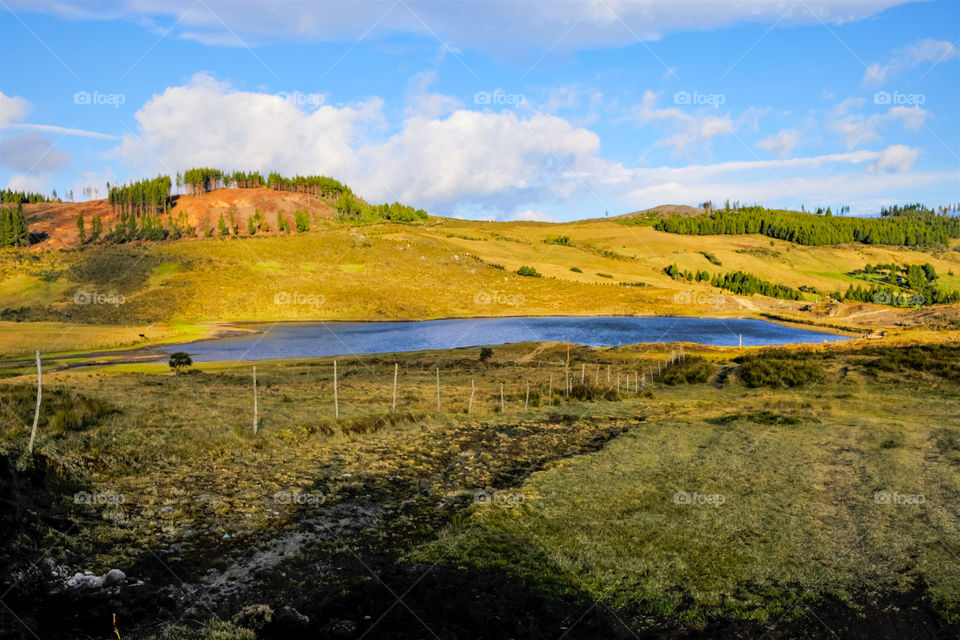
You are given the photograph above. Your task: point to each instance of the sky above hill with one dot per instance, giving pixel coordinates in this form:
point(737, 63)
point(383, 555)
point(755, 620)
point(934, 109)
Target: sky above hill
point(498, 110)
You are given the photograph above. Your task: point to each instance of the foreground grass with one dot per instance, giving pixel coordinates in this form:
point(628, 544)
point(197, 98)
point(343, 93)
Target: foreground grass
point(720, 514)
point(709, 502)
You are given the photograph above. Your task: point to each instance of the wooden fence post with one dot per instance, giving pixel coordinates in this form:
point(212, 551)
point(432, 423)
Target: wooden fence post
point(501, 398)
point(396, 368)
point(255, 400)
point(526, 402)
point(438, 388)
point(472, 391)
point(336, 400)
point(551, 389)
point(36, 412)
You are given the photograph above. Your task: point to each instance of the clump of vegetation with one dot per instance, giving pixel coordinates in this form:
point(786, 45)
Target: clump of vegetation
point(749, 284)
point(592, 392)
point(938, 360)
point(774, 371)
point(711, 258)
point(604, 275)
point(688, 370)
point(528, 271)
point(911, 285)
point(576, 269)
point(349, 207)
point(690, 276)
point(485, 354)
point(563, 241)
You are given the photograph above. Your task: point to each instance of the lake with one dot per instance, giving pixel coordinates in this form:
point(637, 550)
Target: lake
point(345, 338)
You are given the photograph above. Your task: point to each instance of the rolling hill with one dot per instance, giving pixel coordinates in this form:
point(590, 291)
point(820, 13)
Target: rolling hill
point(440, 268)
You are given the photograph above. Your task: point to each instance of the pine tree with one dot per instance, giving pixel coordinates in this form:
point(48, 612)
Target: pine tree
point(81, 229)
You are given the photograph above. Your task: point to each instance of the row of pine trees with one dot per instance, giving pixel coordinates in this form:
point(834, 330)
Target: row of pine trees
point(917, 229)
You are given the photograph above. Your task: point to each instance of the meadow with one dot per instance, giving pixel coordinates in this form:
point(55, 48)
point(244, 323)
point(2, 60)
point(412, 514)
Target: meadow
point(792, 492)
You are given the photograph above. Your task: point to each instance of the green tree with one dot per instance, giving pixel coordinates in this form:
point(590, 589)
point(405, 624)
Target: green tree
point(302, 219)
point(96, 229)
point(222, 227)
point(180, 361)
point(81, 229)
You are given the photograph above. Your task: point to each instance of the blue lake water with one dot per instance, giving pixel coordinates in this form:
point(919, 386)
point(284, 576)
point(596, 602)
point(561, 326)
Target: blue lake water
point(343, 338)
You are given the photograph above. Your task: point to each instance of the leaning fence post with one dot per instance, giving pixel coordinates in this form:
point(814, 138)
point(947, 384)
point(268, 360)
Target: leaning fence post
point(336, 401)
point(583, 372)
point(255, 400)
point(396, 367)
point(36, 413)
point(501, 398)
point(438, 388)
point(472, 391)
point(526, 401)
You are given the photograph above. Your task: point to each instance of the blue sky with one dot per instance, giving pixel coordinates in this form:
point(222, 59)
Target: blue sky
point(531, 110)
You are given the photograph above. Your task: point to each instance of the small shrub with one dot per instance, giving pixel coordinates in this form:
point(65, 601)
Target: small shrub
point(757, 371)
point(485, 354)
point(592, 392)
point(528, 271)
point(605, 275)
point(576, 269)
point(691, 370)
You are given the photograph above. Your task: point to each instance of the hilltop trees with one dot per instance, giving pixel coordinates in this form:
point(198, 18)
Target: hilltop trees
point(143, 196)
point(202, 179)
point(23, 197)
point(920, 228)
point(14, 230)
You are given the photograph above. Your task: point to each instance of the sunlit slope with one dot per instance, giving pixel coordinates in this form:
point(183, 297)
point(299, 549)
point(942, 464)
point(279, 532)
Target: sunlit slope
point(440, 269)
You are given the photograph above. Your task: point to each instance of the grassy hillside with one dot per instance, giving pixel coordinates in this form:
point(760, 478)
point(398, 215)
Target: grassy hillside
point(442, 268)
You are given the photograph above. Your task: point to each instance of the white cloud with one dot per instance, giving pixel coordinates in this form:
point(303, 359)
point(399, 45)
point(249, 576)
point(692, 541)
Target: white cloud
point(31, 153)
point(688, 130)
point(782, 143)
point(472, 154)
point(429, 160)
point(12, 109)
point(534, 216)
point(485, 163)
point(22, 182)
point(501, 27)
point(857, 129)
point(208, 123)
point(896, 159)
point(926, 50)
point(65, 131)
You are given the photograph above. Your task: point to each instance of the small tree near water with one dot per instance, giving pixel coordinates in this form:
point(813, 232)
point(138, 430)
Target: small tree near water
point(179, 361)
point(485, 354)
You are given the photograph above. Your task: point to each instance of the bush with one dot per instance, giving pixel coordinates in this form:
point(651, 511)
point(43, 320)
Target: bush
point(592, 392)
point(485, 354)
point(605, 275)
point(692, 370)
point(528, 271)
point(761, 371)
point(576, 269)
